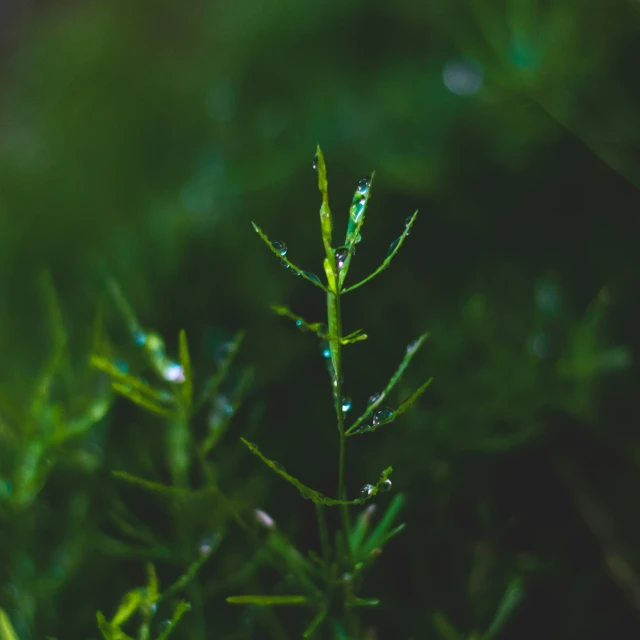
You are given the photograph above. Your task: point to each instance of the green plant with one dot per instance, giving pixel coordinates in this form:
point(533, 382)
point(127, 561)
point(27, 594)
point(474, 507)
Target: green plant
point(332, 581)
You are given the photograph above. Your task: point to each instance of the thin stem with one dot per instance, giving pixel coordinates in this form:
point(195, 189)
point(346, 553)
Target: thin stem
point(334, 313)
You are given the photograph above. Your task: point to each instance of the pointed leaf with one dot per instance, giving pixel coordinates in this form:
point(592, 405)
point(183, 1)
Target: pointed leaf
point(128, 606)
point(269, 601)
point(293, 267)
point(512, 598)
point(314, 624)
point(395, 247)
point(180, 610)
point(7, 631)
point(318, 328)
point(312, 494)
point(126, 380)
point(156, 487)
point(109, 631)
point(363, 602)
point(326, 223)
point(186, 388)
point(357, 212)
point(213, 384)
point(412, 349)
point(141, 400)
point(410, 401)
point(382, 532)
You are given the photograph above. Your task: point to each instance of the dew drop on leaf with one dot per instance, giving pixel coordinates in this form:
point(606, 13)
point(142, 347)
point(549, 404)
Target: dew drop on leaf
point(312, 276)
point(346, 404)
point(385, 485)
point(373, 399)
point(173, 372)
point(314, 164)
point(392, 246)
point(139, 338)
point(325, 349)
point(280, 247)
point(341, 256)
point(412, 346)
point(364, 185)
point(382, 416)
point(367, 490)
point(205, 546)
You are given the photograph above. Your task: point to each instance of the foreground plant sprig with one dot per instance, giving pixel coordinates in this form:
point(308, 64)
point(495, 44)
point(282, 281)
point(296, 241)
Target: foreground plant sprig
point(353, 549)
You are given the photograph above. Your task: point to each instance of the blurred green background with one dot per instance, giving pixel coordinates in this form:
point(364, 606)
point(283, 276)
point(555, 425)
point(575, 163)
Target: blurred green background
point(142, 138)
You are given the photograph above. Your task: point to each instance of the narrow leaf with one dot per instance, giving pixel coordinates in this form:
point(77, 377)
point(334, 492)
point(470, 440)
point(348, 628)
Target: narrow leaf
point(128, 606)
point(156, 487)
point(412, 398)
point(269, 601)
point(152, 584)
point(318, 328)
point(412, 349)
point(314, 624)
point(180, 610)
point(381, 532)
point(138, 398)
point(213, 384)
point(109, 631)
point(363, 602)
point(312, 494)
point(512, 598)
point(186, 388)
point(7, 631)
point(293, 267)
point(395, 247)
point(356, 220)
point(326, 223)
point(126, 380)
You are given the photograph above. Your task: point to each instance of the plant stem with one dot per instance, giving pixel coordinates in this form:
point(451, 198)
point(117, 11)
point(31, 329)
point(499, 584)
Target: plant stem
point(334, 317)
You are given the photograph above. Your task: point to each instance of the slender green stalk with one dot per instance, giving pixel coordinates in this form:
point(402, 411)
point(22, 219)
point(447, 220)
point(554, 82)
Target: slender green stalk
point(334, 318)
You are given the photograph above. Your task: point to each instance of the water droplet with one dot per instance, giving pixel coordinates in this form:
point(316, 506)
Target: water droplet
point(463, 77)
point(347, 577)
point(314, 164)
point(362, 429)
point(280, 247)
point(346, 403)
point(312, 276)
point(412, 346)
point(325, 349)
point(341, 256)
point(173, 372)
point(154, 607)
point(284, 265)
point(205, 546)
point(393, 245)
point(382, 416)
point(385, 485)
point(364, 185)
point(121, 365)
point(367, 490)
point(407, 221)
point(139, 338)
point(264, 519)
point(373, 399)
point(164, 625)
